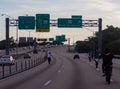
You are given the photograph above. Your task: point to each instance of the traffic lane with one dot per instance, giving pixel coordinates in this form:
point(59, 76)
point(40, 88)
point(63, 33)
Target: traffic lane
point(67, 77)
point(116, 64)
point(36, 78)
point(90, 77)
point(95, 75)
point(93, 78)
point(115, 70)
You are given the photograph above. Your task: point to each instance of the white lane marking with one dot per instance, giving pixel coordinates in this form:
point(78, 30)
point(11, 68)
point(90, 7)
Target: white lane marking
point(48, 82)
point(59, 71)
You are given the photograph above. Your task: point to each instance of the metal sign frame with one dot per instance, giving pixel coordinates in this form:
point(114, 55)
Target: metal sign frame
point(53, 23)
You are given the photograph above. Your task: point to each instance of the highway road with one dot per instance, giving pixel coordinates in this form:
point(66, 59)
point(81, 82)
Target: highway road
point(63, 73)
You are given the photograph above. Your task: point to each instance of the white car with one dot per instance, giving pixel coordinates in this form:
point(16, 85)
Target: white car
point(7, 60)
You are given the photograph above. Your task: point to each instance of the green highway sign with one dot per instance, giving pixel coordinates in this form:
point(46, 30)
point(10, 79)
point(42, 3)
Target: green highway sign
point(69, 22)
point(26, 22)
point(63, 38)
point(51, 39)
point(42, 22)
point(60, 38)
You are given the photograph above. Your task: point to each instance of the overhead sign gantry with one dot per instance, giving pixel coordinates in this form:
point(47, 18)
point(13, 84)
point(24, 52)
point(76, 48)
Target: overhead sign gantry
point(42, 23)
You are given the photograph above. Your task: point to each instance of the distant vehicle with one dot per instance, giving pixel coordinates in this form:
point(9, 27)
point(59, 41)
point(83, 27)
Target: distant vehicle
point(35, 51)
point(24, 48)
point(26, 56)
point(43, 50)
point(7, 60)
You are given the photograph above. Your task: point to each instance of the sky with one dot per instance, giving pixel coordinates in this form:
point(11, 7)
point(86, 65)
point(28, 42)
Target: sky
point(108, 10)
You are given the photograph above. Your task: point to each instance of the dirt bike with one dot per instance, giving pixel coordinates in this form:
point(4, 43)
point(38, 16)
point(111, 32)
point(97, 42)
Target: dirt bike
point(49, 60)
point(76, 57)
point(108, 73)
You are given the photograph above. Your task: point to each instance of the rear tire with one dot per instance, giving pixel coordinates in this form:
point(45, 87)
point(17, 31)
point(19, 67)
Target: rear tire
point(108, 75)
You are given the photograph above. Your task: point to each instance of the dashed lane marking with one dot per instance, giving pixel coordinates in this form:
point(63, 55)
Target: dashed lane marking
point(59, 71)
point(47, 83)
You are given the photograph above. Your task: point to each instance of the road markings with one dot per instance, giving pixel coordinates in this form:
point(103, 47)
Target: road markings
point(47, 83)
point(59, 71)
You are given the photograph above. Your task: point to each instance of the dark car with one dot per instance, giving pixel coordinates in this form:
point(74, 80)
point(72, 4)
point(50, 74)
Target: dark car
point(35, 51)
point(76, 57)
point(26, 55)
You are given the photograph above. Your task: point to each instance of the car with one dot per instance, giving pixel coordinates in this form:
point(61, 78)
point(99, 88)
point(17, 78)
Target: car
point(24, 48)
point(35, 51)
point(76, 57)
point(26, 56)
point(7, 60)
point(43, 50)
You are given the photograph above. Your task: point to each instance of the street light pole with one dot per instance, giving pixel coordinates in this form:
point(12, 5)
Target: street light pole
point(7, 22)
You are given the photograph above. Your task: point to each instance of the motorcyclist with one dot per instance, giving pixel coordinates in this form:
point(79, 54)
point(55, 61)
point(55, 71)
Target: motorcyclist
point(107, 56)
point(76, 55)
point(96, 58)
point(49, 56)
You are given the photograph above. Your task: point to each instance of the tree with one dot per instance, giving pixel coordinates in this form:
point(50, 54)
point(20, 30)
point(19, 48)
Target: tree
point(110, 39)
point(11, 44)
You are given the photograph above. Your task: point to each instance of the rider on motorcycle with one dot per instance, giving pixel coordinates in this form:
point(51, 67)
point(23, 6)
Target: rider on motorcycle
point(107, 57)
point(49, 56)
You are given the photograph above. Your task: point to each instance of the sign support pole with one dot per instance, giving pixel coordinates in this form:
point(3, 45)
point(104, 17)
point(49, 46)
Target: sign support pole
point(7, 36)
point(100, 36)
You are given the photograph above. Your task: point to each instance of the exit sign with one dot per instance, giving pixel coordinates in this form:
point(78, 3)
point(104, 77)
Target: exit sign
point(69, 22)
point(26, 22)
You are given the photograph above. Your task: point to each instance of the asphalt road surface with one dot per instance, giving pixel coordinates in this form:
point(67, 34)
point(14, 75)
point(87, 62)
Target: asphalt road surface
point(63, 73)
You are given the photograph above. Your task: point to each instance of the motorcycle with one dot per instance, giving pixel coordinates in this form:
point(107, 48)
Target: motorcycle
point(108, 73)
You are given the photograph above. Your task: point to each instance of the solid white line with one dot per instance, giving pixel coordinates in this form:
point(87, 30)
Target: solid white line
point(48, 82)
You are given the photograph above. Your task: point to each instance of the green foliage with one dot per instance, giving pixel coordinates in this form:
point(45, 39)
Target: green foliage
point(2, 44)
point(110, 39)
point(11, 43)
point(110, 34)
point(82, 46)
point(114, 46)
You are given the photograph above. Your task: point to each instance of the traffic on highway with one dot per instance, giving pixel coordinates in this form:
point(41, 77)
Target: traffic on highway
point(64, 72)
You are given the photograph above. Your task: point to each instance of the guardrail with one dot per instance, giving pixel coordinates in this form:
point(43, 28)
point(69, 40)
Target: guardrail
point(19, 67)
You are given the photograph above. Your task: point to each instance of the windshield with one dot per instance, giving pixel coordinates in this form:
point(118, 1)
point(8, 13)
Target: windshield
point(6, 57)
